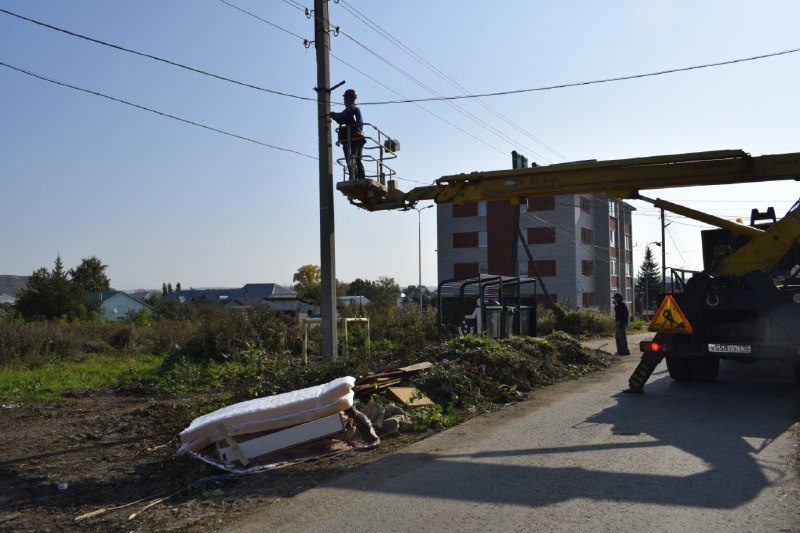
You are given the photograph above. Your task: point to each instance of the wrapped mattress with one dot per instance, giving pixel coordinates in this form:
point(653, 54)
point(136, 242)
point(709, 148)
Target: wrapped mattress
point(269, 413)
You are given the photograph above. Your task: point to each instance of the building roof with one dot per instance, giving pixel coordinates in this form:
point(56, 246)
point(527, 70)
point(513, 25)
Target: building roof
point(248, 294)
point(107, 295)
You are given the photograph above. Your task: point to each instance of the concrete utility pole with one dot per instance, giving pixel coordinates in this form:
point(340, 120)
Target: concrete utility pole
point(327, 239)
point(663, 255)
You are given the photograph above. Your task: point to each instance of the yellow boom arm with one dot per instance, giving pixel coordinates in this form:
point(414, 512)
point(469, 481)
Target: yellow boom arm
point(622, 178)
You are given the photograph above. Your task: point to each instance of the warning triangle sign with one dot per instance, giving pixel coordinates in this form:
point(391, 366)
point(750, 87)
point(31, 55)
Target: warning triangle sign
point(669, 318)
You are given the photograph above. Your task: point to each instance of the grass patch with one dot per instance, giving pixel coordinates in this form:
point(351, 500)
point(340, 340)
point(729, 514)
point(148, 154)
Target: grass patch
point(48, 380)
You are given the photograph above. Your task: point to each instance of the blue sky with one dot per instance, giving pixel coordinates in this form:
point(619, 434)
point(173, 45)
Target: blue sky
point(161, 200)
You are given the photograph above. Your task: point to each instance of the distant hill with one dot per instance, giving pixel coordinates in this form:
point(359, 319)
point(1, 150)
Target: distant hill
point(11, 285)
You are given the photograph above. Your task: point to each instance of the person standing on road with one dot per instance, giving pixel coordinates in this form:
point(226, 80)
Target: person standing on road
point(621, 316)
point(351, 134)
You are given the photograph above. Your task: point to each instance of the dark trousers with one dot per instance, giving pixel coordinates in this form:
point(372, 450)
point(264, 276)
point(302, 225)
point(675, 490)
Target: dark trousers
point(353, 151)
point(621, 337)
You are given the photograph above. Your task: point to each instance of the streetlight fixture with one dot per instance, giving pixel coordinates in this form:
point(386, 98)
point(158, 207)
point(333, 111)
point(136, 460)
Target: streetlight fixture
point(419, 248)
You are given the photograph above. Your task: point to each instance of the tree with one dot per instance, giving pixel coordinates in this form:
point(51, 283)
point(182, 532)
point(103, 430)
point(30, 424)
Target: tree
point(51, 294)
point(384, 292)
point(308, 282)
point(90, 275)
point(649, 284)
point(178, 286)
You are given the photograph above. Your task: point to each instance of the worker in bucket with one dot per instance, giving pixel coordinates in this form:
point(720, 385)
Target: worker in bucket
point(351, 135)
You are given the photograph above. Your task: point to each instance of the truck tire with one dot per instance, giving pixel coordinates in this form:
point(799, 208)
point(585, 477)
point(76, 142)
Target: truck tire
point(679, 369)
point(704, 369)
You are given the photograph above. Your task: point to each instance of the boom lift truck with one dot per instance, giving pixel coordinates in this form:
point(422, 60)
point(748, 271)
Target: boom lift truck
point(744, 305)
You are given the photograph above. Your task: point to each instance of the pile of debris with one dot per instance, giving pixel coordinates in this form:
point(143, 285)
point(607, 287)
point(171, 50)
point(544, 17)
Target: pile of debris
point(309, 423)
point(268, 432)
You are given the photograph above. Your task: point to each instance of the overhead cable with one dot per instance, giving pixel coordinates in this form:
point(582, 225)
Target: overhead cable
point(163, 114)
point(392, 39)
point(593, 82)
point(263, 20)
point(418, 105)
point(458, 108)
point(156, 58)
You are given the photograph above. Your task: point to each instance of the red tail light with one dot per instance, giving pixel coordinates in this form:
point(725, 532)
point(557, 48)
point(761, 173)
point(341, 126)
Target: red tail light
point(651, 346)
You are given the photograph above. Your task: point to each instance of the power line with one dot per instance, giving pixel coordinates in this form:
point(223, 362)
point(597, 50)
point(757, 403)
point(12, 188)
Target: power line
point(296, 5)
point(264, 20)
point(161, 113)
point(418, 105)
point(593, 82)
point(392, 39)
point(156, 58)
point(430, 89)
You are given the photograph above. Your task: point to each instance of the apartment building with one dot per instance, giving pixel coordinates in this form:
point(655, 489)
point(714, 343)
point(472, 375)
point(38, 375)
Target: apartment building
point(580, 244)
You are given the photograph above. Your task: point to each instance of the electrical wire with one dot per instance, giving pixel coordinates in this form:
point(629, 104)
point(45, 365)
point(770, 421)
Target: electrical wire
point(430, 89)
point(439, 117)
point(161, 113)
point(295, 5)
point(592, 82)
point(396, 42)
point(156, 58)
point(263, 20)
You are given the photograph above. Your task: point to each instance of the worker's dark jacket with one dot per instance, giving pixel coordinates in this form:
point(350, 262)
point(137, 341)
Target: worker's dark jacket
point(621, 313)
point(350, 123)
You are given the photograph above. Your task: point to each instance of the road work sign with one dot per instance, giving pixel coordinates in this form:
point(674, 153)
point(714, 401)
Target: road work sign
point(669, 318)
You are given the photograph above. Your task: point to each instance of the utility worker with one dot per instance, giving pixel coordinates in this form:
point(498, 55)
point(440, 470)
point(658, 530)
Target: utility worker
point(351, 135)
point(621, 317)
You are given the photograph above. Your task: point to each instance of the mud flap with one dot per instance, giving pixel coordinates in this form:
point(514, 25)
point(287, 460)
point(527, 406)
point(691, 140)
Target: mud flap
point(644, 370)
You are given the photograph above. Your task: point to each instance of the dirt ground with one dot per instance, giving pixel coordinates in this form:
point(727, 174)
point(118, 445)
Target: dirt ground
point(114, 454)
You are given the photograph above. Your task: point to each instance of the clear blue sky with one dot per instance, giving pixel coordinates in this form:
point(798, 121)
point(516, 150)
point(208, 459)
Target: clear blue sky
point(160, 200)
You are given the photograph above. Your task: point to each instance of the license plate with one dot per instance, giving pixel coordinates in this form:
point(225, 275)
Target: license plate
point(730, 348)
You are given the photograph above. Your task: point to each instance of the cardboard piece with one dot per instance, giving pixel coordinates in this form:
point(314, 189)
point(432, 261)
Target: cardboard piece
point(409, 396)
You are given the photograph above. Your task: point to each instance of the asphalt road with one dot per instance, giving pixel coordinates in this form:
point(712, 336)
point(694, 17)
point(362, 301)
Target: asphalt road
point(581, 456)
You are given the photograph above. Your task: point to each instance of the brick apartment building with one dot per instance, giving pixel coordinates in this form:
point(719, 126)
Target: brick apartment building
point(581, 244)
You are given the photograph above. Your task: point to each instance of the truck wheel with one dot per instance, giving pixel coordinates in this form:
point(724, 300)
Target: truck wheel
point(704, 369)
point(679, 369)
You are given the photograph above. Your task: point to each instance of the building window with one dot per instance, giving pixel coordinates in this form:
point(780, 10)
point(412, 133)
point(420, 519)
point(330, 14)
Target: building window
point(465, 269)
point(586, 204)
point(541, 235)
point(587, 268)
point(467, 239)
point(613, 266)
point(543, 203)
point(628, 295)
point(612, 238)
point(588, 299)
point(612, 208)
point(465, 210)
point(627, 242)
point(546, 267)
point(586, 236)
point(628, 270)
point(482, 239)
